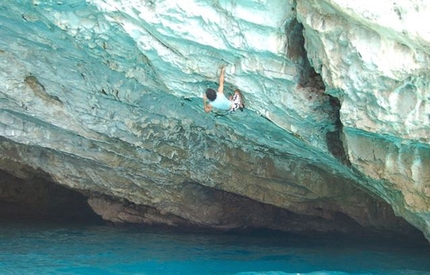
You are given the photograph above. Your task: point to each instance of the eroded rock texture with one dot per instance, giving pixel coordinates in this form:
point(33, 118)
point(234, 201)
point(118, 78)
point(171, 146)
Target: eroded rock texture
point(375, 58)
point(104, 97)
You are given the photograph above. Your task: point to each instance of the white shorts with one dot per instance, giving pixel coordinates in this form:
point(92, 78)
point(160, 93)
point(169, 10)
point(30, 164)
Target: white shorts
point(236, 102)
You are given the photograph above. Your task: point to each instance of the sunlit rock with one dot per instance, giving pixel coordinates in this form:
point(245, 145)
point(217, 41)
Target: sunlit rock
point(375, 59)
point(105, 98)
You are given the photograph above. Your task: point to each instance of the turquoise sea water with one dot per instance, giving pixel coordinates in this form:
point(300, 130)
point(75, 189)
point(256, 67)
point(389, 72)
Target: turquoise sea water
point(48, 248)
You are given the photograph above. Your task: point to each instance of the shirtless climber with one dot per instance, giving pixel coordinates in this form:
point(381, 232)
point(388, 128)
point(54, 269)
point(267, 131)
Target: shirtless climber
point(219, 101)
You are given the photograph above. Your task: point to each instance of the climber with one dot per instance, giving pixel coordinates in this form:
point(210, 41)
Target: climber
point(219, 101)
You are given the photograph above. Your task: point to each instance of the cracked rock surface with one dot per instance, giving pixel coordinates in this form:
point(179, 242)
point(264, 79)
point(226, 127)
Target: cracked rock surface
point(104, 97)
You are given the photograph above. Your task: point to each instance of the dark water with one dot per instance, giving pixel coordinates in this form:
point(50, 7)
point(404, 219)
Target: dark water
point(47, 248)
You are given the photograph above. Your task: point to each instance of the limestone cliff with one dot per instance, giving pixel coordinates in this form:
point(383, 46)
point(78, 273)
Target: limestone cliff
point(104, 97)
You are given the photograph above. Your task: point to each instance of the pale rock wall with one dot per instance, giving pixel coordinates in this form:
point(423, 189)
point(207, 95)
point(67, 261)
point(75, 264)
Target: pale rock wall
point(104, 96)
point(375, 57)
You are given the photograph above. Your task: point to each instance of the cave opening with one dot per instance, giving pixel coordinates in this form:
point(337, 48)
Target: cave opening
point(36, 198)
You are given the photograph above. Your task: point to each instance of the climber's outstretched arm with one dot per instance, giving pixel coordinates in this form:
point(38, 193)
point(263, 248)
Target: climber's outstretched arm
point(221, 81)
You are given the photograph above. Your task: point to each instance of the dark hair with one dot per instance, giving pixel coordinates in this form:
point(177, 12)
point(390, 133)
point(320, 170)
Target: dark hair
point(211, 94)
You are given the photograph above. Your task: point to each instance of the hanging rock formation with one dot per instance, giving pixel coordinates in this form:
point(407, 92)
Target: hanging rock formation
point(104, 97)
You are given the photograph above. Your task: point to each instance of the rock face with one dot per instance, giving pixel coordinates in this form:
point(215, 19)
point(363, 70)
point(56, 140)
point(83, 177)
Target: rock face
point(375, 58)
point(105, 98)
